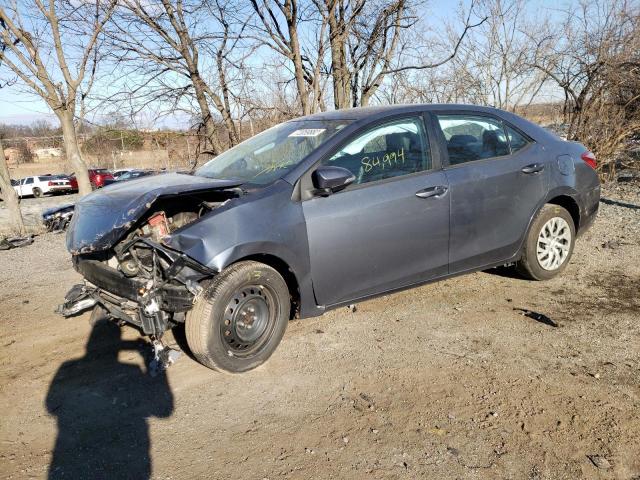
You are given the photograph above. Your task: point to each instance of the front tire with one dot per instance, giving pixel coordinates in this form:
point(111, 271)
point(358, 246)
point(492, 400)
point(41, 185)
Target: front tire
point(549, 244)
point(37, 193)
point(240, 319)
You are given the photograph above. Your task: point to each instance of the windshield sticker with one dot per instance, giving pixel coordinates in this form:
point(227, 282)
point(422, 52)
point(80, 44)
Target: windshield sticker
point(307, 132)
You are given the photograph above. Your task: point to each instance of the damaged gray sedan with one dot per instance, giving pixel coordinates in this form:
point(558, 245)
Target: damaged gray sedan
point(324, 211)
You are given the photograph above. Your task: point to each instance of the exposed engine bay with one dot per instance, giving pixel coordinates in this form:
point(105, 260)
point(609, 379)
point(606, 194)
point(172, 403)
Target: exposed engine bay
point(141, 281)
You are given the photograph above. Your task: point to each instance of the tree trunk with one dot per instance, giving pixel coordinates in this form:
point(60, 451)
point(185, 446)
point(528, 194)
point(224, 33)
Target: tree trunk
point(209, 124)
point(9, 196)
point(291, 8)
point(339, 69)
point(73, 151)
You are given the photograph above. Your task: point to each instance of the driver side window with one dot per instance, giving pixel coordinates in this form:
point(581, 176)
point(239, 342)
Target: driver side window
point(390, 150)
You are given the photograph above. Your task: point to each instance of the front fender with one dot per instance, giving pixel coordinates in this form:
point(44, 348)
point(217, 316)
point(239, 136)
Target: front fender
point(266, 222)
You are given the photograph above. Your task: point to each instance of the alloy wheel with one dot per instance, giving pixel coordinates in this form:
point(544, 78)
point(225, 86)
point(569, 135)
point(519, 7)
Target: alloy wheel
point(554, 243)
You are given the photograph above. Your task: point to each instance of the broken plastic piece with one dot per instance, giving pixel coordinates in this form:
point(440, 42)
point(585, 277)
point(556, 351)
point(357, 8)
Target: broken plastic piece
point(539, 317)
point(15, 242)
point(77, 299)
point(163, 357)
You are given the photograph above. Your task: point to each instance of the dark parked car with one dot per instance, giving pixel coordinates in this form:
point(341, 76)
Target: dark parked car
point(324, 211)
point(129, 175)
point(97, 177)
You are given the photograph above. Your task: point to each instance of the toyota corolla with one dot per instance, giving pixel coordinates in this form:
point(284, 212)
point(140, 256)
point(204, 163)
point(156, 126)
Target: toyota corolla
point(328, 210)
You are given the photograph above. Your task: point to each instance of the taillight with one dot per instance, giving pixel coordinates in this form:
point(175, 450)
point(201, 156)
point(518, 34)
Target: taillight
point(51, 184)
point(589, 158)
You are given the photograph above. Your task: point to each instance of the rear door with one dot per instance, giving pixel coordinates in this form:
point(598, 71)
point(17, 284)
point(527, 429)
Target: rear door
point(387, 230)
point(497, 177)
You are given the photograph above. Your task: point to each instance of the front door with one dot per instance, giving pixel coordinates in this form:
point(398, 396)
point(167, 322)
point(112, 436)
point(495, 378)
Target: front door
point(390, 228)
point(497, 179)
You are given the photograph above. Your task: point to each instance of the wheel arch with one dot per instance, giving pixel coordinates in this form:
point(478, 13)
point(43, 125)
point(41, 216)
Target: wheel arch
point(283, 268)
point(569, 204)
point(563, 197)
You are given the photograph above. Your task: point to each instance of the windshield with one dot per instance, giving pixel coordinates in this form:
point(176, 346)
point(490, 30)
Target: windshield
point(272, 153)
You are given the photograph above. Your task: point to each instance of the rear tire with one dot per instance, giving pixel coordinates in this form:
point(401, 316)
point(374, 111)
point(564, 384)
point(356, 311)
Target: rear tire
point(240, 319)
point(37, 192)
point(549, 244)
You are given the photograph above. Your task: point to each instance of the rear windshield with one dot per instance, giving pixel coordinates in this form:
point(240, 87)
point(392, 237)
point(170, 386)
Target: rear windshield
point(271, 154)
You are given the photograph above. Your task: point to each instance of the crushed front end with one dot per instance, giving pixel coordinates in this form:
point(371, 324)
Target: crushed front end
point(143, 284)
point(116, 241)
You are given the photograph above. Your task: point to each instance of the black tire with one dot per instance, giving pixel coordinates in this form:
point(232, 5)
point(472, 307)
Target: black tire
point(220, 335)
point(529, 265)
point(37, 192)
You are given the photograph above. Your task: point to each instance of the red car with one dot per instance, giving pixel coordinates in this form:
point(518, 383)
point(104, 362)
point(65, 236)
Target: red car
point(97, 176)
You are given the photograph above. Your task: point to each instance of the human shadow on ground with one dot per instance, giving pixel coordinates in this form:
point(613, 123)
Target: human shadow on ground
point(102, 406)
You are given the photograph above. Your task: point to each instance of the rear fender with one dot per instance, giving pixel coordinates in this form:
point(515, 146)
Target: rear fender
point(553, 193)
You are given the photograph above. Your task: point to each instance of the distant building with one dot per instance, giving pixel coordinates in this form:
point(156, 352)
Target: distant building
point(44, 153)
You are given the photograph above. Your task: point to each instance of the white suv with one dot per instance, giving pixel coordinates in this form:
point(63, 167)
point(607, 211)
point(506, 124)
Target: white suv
point(38, 186)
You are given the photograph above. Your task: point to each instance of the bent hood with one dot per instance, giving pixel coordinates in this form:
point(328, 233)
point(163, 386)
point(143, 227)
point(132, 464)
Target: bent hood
point(103, 217)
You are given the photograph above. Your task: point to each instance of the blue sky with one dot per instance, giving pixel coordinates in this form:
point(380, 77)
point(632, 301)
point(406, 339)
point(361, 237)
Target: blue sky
point(17, 106)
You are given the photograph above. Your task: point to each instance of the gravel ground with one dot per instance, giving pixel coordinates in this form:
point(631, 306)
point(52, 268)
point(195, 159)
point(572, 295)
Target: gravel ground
point(449, 380)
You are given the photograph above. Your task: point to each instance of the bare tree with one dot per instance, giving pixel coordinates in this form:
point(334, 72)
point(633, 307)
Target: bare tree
point(52, 49)
point(365, 38)
point(341, 22)
point(594, 57)
point(178, 50)
point(493, 61)
point(9, 195)
point(372, 40)
point(278, 26)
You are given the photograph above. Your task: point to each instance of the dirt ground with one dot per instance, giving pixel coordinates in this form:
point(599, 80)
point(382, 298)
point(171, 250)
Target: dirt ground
point(445, 381)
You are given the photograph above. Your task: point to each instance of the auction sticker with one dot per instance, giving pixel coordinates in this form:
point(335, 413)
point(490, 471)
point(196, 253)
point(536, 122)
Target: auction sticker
point(307, 132)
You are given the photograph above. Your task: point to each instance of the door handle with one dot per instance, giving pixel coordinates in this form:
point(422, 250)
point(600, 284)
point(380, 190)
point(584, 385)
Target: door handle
point(432, 192)
point(533, 168)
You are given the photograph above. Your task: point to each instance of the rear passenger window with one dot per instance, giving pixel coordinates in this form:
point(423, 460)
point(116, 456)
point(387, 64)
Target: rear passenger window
point(516, 140)
point(390, 150)
point(472, 138)
point(29, 180)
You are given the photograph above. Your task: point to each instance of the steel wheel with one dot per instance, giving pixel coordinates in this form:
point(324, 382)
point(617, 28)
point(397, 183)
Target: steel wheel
point(248, 319)
point(241, 317)
point(554, 243)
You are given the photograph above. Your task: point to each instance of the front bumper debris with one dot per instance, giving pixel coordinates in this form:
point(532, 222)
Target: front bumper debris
point(153, 303)
point(78, 299)
point(170, 298)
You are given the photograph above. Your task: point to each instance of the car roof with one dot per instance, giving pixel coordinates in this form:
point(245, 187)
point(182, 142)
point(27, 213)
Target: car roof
point(380, 111)
point(368, 114)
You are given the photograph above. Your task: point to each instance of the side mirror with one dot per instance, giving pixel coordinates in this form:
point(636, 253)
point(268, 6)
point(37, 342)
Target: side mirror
point(328, 180)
